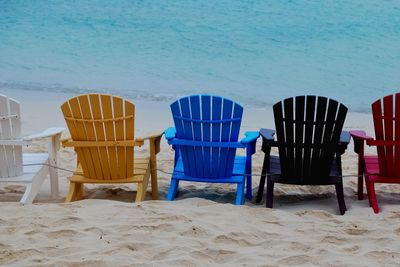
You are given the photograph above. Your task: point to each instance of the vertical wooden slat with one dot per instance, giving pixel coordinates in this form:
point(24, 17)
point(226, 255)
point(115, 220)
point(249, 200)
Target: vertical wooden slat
point(378, 125)
point(180, 133)
point(388, 124)
point(299, 115)
point(90, 135)
point(206, 115)
point(16, 133)
point(216, 134)
point(106, 104)
point(81, 135)
point(195, 108)
point(397, 136)
point(8, 134)
point(280, 135)
point(319, 130)
point(65, 108)
point(129, 135)
point(187, 126)
point(120, 135)
point(100, 135)
point(5, 135)
point(225, 137)
point(327, 146)
point(289, 135)
point(308, 135)
point(338, 127)
point(237, 114)
point(337, 131)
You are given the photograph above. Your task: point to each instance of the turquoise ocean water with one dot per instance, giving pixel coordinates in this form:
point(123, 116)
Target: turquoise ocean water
point(255, 52)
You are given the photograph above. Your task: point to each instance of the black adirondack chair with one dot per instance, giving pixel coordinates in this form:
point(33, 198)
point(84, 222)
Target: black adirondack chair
point(310, 141)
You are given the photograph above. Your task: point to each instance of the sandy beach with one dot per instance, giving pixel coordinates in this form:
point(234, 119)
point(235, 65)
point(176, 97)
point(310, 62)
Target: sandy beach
point(202, 227)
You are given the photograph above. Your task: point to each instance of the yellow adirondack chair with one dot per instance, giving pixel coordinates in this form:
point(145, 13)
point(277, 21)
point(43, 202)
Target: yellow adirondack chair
point(102, 133)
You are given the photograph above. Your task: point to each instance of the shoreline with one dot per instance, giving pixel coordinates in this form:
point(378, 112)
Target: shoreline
point(148, 111)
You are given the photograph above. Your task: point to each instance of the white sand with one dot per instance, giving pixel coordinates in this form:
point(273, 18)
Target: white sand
point(202, 227)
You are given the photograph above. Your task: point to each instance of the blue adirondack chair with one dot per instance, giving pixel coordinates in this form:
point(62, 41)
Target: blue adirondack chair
point(205, 139)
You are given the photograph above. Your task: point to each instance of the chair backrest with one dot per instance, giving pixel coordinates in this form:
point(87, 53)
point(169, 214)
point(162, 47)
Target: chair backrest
point(386, 114)
point(207, 118)
point(10, 128)
point(308, 130)
point(101, 117)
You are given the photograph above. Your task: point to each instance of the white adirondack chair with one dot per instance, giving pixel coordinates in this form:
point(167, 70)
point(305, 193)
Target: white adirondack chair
point(28, 168)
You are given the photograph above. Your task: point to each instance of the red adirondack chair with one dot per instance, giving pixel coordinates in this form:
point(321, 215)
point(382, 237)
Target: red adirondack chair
point(385, 166)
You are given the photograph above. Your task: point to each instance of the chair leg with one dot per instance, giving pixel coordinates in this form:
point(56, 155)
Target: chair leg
point(33, 188)
point(173, 188)
point(262, 181)
point(73, 191)
point(80, 192)
point(153, 169)
point(270, 193)
point(154, 185)
point(249, 188)
point(340, 198)
point(140, 193)
point(360, 192)
point(142, 187)
point(239, 194)
point(372, 197)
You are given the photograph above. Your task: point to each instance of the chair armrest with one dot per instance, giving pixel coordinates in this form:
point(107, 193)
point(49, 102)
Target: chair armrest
point(268, 140)
point(343, 143)
point(250, 137)
point(150, 136)
point(345, 138)
point(267, 134)
point(65, 136)
point(359, 137)
point(15, 142)
point(170, 133)
point(50, 132)
point(250, 141)
point(154, 140)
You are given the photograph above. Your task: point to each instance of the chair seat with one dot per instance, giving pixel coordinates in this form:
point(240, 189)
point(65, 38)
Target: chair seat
point(33, 163)
point(371, 164)
point(372, 171)
point(239, 169)
point(275, 174)
point(141, 167)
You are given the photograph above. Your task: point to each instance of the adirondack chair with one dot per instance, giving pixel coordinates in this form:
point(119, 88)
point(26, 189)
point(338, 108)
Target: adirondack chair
point(102, 134)
point(205, 139)
point(384, 167)
point(27, 168)
point(310, 142)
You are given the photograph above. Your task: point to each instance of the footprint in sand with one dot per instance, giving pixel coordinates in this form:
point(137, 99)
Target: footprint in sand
point(318, 214)
point(32, 232)
point(356, 231)
point(194, 231)
point(231, 240)
point(333, 240)
point(353, 229)
point(297, 246)
point(218, 256)
point(68, 220)
point(397, 231)
point(14, 255)
point(386, 256)
point(295, 260)
point(351, 249)
point(62, 233)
